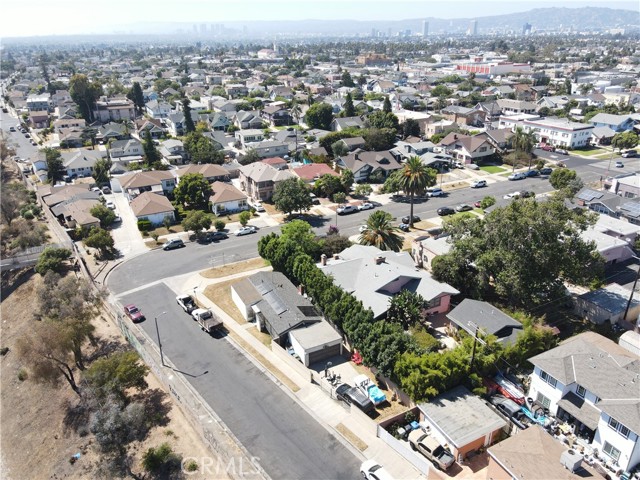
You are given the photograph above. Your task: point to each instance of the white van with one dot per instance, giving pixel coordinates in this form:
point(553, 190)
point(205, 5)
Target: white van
point(435, 192)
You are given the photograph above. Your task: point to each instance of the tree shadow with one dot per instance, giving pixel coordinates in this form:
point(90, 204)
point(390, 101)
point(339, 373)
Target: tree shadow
point(105, 348)
point(77, 416)
point(157, 405)
point(11, 281)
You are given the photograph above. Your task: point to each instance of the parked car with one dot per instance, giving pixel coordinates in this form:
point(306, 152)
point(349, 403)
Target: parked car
point(133, 313)
point(561, 165)
point(405, 219)
point(365, 206)
point(478, 204)
point(435, 192)
point(12, 129)
point(562, 151)
point(463, 207)
point(245, 230)
point(106, 190)
point(258, 207)
point(405, 227)
point(186, 302)
point(352, 396)
point(363, 228)
point(110, 205)
point(346, 209)
point(117, 219)
point(479, 184)
point(431, 449)
point(458, 165)
point(532, 173)
point(214, 236)
point(511, 410)
point(512, 195)
point(171, 244)
point(372, 470)
point(517, 176)
point(619, 165)
point(546, 171)
point(527, 194)
point(547, 148)
point(629, 154)
point(443, 211)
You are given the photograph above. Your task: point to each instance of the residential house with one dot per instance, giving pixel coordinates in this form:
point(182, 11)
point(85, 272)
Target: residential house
point(476, 317)
point(339, 124)
point(270, 148)
point(227, 199)
point(552, 102)
point(218, 122)
point(69, 123)
point(466, 148)
point(52, 196)
point(559, 132)
point(80, 163)
point(599, 201)
point(611, 248)
point(236, 90)
point(516, 107)
point(435, 128)
point(630, 210)
point(210, 171)
point(60, 98)
point(249, 136)
point(616, 228)
point(315, 343)
point(112, 131)
point(219, 139)
point(591, 382)
point(248, 120)
point(609, 304)
point(617, 123)
point(259, 180)
point(274, 303)
point(278, 92)
point(153, 207)
point(157, 108)
point(75, 212)
point(461, 420)
point(382, 86)
point(626, 186)
point(39, 102)
point(353, 143)
point(500, 138)
point(154, 126)
point(292, 137)
point(175, 124)
point(463, 116)
point(276, 162)
point(369, 166)
point(374, 276)
point(39, 119)
point(71, 137)
point(130, 149)
point(313, 171)
point(114, 109)
point(134, 184)
point(173, 151)
point(602, 135)
point(425, 249)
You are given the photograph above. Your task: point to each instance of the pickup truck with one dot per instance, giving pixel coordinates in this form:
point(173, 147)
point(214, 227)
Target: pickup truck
point(207, 320)
point(431, 449)
point(186, 302)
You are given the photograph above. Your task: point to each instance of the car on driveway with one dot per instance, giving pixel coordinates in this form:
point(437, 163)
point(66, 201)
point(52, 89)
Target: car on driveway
point(428, 446)
point(405, 219)
point(365, 206)
point(346, 209)
point(479, 184)
point(258, 207)
point(517, 176)
point(133, 313)
point(463, 207)
point(245, 230)
point(546, 171)
point(352, 396)
point(171, 244)
point(511, 410)
point(372, 470)
point(110, 205)
point(532, 173)
point(443, 211)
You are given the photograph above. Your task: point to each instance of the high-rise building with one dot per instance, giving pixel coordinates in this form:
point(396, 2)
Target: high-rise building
point(374, 33)
point(473, 28)
point(526, 29)
point(425, 29)
point(203, 28)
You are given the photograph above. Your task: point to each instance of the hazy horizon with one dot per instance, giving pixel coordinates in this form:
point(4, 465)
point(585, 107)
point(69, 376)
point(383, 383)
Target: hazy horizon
point(68, 17)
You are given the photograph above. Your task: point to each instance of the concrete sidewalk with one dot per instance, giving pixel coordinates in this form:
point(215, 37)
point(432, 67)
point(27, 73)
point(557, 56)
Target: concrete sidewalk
point(328, 412)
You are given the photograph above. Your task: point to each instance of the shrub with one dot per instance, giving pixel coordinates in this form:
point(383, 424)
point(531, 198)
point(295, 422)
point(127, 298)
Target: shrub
point(51, 259)
point(22, 375)
point(486, 202)
point(28, 215)
point(191, 466)
point(219, 225)
point(144, 225)
point(4, 351)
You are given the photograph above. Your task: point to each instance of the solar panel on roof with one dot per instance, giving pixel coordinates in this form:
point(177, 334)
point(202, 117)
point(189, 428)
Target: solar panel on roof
point(632, 207)
point(274, 302)
point(588, 195)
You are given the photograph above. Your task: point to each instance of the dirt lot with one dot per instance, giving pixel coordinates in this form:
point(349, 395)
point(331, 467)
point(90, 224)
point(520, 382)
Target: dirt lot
point(35, 441)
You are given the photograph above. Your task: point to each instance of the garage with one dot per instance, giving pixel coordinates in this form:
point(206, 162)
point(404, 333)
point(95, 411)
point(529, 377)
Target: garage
point(315, 343)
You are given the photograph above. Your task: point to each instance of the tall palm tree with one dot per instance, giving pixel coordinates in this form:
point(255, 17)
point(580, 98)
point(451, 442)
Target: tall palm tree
point(380, 233)
point(524, 142)
point(414, 179)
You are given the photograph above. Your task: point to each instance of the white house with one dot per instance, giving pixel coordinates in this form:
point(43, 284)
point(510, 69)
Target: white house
point(153, 207)
point(80, 163)
point(593, 383)
point(559, 132)
point(226, 199)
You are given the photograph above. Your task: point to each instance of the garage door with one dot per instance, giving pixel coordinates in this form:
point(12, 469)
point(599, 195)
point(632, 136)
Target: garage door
point(324, 353)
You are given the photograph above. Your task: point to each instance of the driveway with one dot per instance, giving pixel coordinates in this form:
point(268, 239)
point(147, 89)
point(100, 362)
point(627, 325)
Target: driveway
point(128, 239)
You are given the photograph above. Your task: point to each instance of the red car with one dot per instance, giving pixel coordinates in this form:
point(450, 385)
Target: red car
point(133, 313)
point(547, 148)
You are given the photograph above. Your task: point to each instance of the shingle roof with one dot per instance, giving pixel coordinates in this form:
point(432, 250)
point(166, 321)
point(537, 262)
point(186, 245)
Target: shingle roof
point(149, 203)
point(225, 192)
point(144, 179)
point(490, 319)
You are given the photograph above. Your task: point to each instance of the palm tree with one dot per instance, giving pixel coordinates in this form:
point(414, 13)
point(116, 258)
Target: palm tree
point(380, 233)
point(414, 179)
point(295, 111)
point(525, 142)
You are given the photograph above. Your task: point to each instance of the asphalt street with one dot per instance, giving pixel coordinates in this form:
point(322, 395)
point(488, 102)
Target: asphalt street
point(271, 425)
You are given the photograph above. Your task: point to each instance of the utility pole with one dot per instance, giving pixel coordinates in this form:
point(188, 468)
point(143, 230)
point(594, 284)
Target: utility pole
point(636, 327)
point(476, 339)
point(158, 335)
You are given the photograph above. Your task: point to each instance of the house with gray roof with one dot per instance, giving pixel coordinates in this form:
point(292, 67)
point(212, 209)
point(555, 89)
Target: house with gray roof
point(593, 383)
point(80, 162)
point(339, 124)
point(274, 303)
point(374, 276)
point(617, 123)
point(259, 179)
point(476, 316)
point(599, 201)
point(607, 304)
point(365, 164)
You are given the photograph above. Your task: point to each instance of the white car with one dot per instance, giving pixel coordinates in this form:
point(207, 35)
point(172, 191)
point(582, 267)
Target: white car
point(258, 207)
point(365, 206)
point(372, 470)
point(245, 230)
point(110, 205)
point(479, 184)
point(517, 176)
point(511, 195)
point(363, 228)
point(435, 192)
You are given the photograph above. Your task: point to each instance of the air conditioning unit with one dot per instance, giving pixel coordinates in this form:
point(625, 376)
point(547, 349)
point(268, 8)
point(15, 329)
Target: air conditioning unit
point(571, 460)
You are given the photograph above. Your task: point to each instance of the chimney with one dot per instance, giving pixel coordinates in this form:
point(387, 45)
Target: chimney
point(301, 289)
point(336, 256)
point(379, 259)
point(355, 155)
point(323, 260)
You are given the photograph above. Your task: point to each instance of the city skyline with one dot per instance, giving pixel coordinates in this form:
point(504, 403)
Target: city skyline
point(68, 17)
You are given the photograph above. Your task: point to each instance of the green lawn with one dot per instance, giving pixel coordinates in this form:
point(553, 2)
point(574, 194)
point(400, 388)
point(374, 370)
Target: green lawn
point(589, 153)
point(492, 169)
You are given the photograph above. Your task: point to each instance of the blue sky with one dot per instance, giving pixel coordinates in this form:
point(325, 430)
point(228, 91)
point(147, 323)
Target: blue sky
point(86, 16)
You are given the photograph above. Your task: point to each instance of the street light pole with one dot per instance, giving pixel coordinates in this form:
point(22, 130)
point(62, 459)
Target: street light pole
point(158, 335)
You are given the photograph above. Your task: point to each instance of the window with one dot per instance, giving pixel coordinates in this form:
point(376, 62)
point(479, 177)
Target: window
point(548, 378)
point(612, 451)
point(542, 400)
point(620, 428)
point(435, 302)
point(581, 391)
point(613, 423)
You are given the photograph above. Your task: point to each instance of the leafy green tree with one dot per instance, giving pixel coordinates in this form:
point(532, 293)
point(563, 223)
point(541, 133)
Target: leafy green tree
point(339, 149)
point(161, 460)
point(193, 190)
point(441, 91)
point(201, 149)
point(349, 109)
point(100, 239)
point(380, 119)
point(244, 218)
point(136, 96)
point(386, 105)
point(102, 171)
point(151, 154)
point(116, 374)
point(104, 214)
point(292, 195)
point(89, 135)
point(410, 128)
point(393, 183)
point(381, 233)
point(219, 225)
point(379, 139)
point(334, 243)
point(319, 115)
point(302, 234)
point(189, 126)
point(363, 190)
point(415, 179)
point(327, 185)
point(339, 197)
point(523, 252)
point(55, 166)
point(51, 259)
point(346, 179)
point(624, 140)
point(196, 221)
point(561, 177)
point(406, 308)
point(487, 201)
point(251, 156)
point(84, 93)
point(347, 81)
point(523, 142)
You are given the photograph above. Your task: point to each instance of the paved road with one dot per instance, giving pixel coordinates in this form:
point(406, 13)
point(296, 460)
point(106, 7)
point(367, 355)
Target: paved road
point(270, 424)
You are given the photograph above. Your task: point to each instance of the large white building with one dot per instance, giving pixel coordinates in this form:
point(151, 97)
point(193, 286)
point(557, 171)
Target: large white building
point(559, 132)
